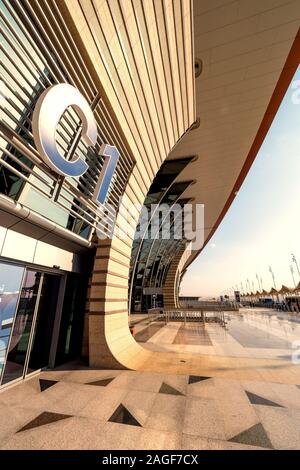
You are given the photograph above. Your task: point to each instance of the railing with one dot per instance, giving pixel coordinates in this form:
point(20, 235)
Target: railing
point(187, 315)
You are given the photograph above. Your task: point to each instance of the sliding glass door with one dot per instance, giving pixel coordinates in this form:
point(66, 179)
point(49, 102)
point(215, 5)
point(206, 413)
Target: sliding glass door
point(30, 340)
point(42, 336)
point(24, 318)
point(11, 277)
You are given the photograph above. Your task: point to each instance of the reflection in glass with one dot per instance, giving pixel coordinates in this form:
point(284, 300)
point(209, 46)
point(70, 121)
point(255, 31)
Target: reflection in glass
point(71, 326)
point(16, 357)
point(41, 343)
point(10, 283)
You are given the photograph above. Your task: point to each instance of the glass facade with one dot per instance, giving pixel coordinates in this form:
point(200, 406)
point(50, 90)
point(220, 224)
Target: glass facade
point(33, 59)
point(151, 254)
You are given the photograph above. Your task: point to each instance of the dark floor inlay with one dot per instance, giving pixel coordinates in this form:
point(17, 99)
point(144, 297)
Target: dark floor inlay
point(197, 378)
point(254, 436)
point(123, 416)
point(257, 400)
point(45, 384)
point(165, 388)
point(101, 383)
point(44, 418)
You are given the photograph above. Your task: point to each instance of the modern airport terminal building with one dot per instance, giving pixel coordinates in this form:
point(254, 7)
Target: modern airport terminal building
point(108, 106)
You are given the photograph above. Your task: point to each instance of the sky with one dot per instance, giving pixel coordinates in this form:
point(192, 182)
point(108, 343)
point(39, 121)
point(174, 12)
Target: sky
point(262, 226)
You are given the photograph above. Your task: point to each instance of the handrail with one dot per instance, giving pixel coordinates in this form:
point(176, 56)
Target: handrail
point(189, 315)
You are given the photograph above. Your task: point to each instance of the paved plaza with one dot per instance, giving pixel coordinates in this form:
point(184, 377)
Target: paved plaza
point(232, 390)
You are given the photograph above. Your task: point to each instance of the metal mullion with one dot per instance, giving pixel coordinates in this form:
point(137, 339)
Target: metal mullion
point(17, 122)
point(33, 324)
point(116, 181)
point(92, 85)
point(158, 278)
point(66, 116)
point(84, 211)
point(28, 37)
point(104, 131)
point(156, 256)
point(16, 94)
point(14, 80)
point(23, 116)
point(47, 38)
point(76, 215)
point(20, 72)
point(19, 162)
point(70, 52)
point(15, 49)
point(23, 177)
point(94, 225)
point(112, 127)
point(111, 192)
point(34, 32)
point(84, 188)
point(122, 179)
point(33, 156)
point(114, 196)
point(104, 126)
point(19, 42)
point(63, 136)
point(75, 191)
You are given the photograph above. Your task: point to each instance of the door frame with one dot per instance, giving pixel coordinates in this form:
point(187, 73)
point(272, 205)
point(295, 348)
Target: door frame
point(57, 318)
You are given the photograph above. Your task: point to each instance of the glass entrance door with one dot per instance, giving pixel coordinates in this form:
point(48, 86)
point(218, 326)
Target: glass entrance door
point(30, 341)
point(42, 336)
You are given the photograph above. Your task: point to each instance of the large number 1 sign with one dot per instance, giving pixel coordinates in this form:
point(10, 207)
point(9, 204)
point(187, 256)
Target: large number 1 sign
point(48, 111)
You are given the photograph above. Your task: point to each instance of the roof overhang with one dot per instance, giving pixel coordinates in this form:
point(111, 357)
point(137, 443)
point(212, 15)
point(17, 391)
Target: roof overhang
point(246, 73)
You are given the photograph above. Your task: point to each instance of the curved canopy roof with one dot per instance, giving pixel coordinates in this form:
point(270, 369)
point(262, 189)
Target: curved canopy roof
point(249, 52)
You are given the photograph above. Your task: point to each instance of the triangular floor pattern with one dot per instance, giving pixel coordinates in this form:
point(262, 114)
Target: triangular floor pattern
point(165, 388)
point(254, 436)
point(258, 400)
point(123, 416)
point(101, 383)
point(197, 378)
point(45, 384)
point(44, 418)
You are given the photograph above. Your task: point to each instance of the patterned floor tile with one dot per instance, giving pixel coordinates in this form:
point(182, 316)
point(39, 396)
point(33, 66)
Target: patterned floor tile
point(254, 436)
point(258, 400)
point(44, 418)
point(165, 388)
point(282, 426)
point(45, 384)
point(196, 378)
point(201, 443)
point(167, 413)
point(101, 383)
point(122, 416)
point(202, 418)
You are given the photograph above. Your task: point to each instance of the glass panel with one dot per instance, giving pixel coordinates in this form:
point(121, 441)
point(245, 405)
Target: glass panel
point(71, 326)
point(16, 357)
point(10, 284)
point(41, 343)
